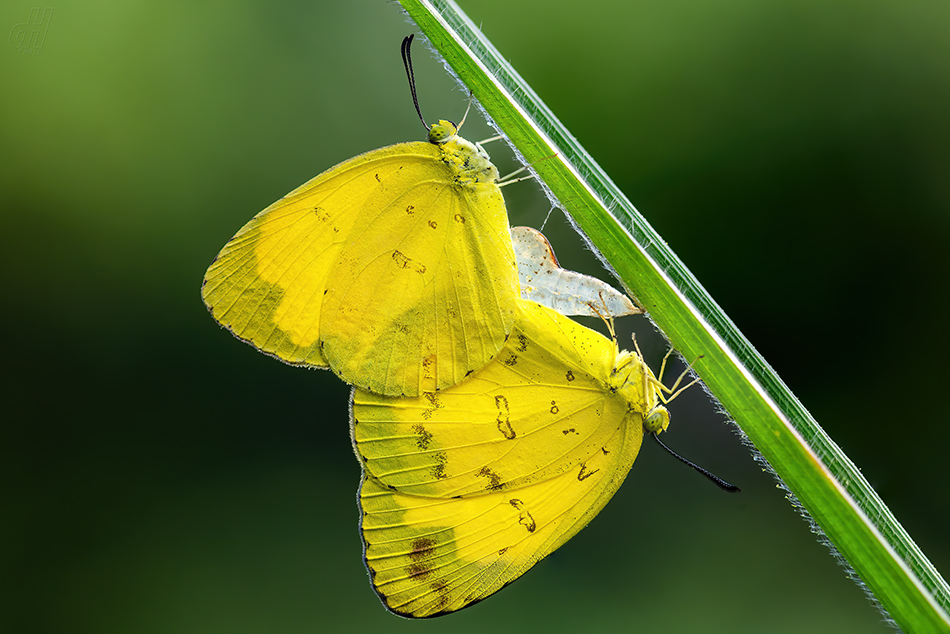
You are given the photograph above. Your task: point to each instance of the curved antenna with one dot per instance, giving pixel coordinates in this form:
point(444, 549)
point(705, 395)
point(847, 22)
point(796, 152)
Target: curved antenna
point(722, 484)
point(407, 62)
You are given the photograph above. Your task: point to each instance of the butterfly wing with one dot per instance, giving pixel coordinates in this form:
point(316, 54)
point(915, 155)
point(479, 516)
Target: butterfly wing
point(539, 408)
point(385, 268)
point(268, 283)
point(428, 556)
point(461, 495)
point(425, 293)
point(568, 292)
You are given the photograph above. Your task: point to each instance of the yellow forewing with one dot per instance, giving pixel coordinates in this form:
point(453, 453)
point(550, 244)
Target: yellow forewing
point(394, 268)
point(465, 489)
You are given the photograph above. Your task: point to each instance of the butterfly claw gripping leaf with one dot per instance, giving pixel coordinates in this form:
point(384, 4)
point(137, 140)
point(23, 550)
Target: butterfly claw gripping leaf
point(465, 489)
point(395, 269)
point(567, 292)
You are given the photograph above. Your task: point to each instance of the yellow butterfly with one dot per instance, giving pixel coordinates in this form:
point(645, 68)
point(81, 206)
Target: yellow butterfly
point(465, 489)
point(568, 292)
point(395, 268)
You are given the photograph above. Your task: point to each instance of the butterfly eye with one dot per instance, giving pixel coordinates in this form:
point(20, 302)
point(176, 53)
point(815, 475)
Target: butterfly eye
point(657, 420)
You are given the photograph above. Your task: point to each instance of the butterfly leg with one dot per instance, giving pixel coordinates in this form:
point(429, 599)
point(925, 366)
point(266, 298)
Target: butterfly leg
point(674, 390)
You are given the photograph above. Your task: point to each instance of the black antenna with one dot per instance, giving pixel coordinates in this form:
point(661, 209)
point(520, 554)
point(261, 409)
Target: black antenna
point(407, 62)
point(722, 484)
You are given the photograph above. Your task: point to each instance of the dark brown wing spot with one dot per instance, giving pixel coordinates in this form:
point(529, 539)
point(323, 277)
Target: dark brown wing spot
point(442, 588)
point(527, 521)
point(525, 518)
point(404, 262)
point(422, 548)
point(511, 361)
point(583, 474)
point(494, 480)
point(460, 218)
point(435, 404)
point(428, 364)
point(554, 408)
point(410, 209)
point(569, 376)
point(438, 470)
point(424, 437)
point(503, 422)
point(433, 224)
point(522, 343)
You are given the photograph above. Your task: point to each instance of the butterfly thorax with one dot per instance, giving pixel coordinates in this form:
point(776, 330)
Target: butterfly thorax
point(469, 161)
point(633, 380)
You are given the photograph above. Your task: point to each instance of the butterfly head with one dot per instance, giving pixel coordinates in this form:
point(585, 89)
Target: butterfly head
point(657, 420)
point(442, 132)
point(469, 161)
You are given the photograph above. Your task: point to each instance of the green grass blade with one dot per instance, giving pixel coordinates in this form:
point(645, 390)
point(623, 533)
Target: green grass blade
point(815, 470)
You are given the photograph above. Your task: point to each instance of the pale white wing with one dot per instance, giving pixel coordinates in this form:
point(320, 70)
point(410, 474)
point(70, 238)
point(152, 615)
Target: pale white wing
point(567, 292)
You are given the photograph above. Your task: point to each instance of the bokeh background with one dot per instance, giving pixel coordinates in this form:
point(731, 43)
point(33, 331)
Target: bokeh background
point(159, 476)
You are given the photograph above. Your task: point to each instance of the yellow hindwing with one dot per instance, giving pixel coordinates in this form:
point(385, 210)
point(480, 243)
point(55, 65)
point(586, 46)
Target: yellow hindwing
point(465, 489)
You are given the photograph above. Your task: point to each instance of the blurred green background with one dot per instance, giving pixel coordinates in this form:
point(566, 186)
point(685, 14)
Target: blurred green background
point(159, 476)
